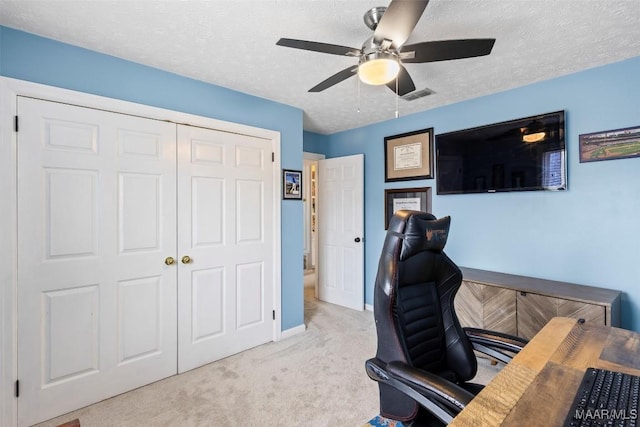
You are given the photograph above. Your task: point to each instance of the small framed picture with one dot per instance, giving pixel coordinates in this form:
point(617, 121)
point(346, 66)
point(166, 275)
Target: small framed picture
point(412, 199)
point(291, 184)
point(610, 144)
point(409, 156)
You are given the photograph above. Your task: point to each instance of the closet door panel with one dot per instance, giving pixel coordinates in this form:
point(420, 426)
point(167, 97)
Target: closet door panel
point(225, 215)
point(97, 218)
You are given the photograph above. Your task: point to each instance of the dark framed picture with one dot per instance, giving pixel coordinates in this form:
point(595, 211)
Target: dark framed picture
point(610, 144)
point(291, 184)
point(409, 156)
point(413, 199)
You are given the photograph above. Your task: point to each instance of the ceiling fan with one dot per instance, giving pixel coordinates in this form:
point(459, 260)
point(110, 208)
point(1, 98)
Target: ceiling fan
point(381, 57)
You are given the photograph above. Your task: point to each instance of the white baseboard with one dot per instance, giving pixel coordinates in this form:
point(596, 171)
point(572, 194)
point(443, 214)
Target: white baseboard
point(293, 331)
point(368, 307)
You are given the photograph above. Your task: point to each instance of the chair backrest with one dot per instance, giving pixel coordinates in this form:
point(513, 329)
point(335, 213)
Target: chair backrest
point(413, 306)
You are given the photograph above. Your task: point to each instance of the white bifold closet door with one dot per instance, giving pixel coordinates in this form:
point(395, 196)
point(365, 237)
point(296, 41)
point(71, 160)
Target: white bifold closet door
point(225, 226)
point(96, 218)
point(100, 310)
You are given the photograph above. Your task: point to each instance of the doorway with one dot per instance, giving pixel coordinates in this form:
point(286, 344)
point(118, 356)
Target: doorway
point(333, 198)
point(310, 197)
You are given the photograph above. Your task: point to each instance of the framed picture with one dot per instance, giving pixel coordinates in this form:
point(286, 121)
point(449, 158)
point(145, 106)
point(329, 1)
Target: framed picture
point(409, 156)
point(291, 184)
point(414, 199)
point(609, 145)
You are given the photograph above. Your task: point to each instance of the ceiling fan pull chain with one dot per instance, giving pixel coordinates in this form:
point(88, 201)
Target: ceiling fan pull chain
point(358, 96)
point(397, 114)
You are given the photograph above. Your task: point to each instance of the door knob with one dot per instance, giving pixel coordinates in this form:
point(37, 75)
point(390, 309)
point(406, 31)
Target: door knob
point(186, 259)
point(357, 240)
point(169, 260)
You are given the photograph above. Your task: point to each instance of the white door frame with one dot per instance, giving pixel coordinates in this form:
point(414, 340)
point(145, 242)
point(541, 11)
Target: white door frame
point(10, 89)
point(314, 157)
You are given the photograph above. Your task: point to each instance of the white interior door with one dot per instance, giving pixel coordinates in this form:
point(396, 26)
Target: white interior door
point(306, 207)
point(341, 231)
point(225, 214)
point(96, 220)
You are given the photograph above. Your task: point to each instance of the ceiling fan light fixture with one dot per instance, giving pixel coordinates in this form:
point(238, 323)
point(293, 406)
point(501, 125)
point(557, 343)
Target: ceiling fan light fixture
point(533, 137)
point(534, 132)
point(378, 68)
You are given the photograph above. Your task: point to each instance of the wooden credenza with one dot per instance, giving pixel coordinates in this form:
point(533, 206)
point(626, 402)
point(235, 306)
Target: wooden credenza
point(520, 305)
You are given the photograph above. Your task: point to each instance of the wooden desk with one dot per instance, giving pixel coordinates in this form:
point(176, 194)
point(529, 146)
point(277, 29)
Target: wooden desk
point(538, 386)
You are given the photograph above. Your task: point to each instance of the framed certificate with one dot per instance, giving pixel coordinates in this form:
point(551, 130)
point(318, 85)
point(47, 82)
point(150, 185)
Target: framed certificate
point(409, 156)
point(412, 199)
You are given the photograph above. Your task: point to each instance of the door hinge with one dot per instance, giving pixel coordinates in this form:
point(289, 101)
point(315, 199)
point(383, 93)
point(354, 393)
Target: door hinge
point(274, 315)
point(273, 157)
point(17, 388)
point(15, 123)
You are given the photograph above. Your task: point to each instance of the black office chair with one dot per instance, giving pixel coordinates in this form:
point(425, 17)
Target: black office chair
point(424, 358)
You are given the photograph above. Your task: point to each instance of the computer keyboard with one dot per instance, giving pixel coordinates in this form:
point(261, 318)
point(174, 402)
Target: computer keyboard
point(605, 398)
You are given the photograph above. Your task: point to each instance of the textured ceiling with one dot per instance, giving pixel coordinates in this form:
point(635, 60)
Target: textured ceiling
point(232, 44)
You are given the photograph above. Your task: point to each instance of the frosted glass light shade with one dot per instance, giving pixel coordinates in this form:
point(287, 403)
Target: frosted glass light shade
point(378, 71)
point(533, 137)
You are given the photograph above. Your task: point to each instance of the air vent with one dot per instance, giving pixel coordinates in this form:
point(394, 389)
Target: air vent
point(417, 94)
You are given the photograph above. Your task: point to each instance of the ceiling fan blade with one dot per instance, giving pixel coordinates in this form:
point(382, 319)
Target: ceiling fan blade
point(333, 49)
point(398, 21)
point(405, 83)
point(335, 79)
point(445, 50)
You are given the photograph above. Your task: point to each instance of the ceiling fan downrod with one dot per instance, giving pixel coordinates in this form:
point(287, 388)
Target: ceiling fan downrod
point(372, 17)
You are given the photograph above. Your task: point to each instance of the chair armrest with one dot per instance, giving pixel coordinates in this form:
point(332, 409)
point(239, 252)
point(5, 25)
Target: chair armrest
point(494, 344)
point(430, 385)
point(442, 398)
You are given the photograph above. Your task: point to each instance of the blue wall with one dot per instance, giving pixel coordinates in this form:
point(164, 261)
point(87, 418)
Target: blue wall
point(314, 142)
point(589, 234)
point(28, 57)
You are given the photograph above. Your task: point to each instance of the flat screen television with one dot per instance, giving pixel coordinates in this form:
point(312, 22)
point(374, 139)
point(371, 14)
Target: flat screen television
point(517, 155)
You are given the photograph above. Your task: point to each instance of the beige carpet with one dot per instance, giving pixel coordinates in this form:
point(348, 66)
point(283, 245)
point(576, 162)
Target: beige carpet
point(316, 378)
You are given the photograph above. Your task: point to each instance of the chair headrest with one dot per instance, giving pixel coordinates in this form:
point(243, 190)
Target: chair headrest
point(424, 233)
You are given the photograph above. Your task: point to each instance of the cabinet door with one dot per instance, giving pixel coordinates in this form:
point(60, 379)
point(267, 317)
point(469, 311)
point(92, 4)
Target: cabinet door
point(499, 310)
point(580, 310)
point(468, 304)
point(534, 311)
point(487, 307)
